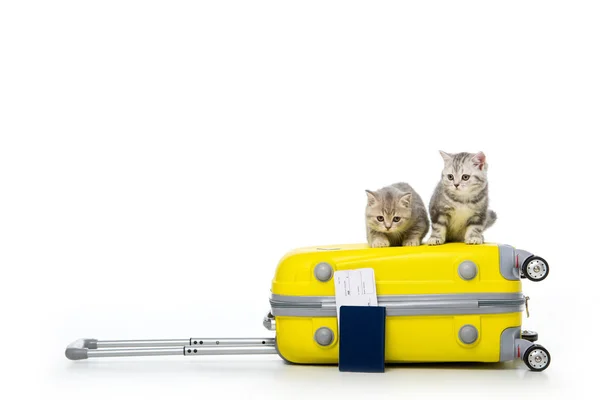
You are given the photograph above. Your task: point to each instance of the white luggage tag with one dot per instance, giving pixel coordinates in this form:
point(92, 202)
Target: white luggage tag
point(354, 287)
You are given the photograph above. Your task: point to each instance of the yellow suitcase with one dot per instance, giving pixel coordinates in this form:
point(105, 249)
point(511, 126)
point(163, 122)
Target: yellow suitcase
point(448, 303)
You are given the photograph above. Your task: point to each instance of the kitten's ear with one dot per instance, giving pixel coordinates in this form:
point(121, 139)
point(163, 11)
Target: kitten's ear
point(372, 197)
point(406, 199)
point(446, 156)
point(479, 160)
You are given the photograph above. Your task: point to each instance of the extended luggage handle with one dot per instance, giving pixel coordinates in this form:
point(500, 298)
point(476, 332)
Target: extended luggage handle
point(90, 348)
point(84, 348)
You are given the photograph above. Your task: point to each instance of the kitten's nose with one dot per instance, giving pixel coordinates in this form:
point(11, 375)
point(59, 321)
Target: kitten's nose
point(388, 227)
point(456, 185)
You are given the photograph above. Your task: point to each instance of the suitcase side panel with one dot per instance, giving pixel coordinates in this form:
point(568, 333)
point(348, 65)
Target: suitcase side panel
point(408, 339)
point(399, 270)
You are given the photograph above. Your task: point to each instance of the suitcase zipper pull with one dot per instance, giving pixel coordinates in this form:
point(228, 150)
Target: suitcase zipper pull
point(527, 305)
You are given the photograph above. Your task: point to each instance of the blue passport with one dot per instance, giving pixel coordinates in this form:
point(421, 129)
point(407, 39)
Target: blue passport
point(362, 339)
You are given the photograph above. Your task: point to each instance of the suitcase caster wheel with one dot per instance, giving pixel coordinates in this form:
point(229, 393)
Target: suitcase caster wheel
point(529, 335)
point(537, 358)
point(535, 269)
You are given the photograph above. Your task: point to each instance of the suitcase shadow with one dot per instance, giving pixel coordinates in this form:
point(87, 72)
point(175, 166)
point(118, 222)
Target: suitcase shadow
point(424, 372)
point(407, 373)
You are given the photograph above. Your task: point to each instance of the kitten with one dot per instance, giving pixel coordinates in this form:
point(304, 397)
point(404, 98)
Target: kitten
point(459, 205)
point(395, 216)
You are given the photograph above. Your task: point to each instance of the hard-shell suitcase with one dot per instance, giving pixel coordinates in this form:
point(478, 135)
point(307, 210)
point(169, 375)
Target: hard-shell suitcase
point(448, 303)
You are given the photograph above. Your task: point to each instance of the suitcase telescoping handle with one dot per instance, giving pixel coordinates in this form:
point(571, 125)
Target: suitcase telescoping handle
point(89, 348)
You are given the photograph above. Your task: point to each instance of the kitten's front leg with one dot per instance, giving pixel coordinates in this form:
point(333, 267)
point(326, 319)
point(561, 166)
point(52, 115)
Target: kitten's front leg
point(412, 241)
point(415, 236)
point(377, 239)
point(438, 231)
point(474, 230)
point(474, 234)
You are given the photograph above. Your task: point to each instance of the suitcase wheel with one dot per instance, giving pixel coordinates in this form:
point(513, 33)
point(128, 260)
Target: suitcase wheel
point(537, 358)
point(535, 269)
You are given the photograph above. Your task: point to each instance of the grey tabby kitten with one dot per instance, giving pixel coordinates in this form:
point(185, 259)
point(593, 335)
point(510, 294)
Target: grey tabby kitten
point(395, 216)
point(459, 205)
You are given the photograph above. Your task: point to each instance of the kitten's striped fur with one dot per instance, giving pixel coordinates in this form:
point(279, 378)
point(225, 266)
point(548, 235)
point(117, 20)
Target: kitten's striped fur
point(401, 201)
point(459, 207)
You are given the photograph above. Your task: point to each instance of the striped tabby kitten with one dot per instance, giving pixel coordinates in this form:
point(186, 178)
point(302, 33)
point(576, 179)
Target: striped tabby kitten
point(459, 205)
point(395, 216)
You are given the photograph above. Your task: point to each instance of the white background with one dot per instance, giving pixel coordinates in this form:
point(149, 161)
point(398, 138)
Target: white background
point(157, 158)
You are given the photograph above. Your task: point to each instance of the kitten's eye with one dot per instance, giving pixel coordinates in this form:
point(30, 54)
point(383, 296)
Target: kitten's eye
point(451, 177)
point(380, 218)
point(396, 219)
point(465, 177)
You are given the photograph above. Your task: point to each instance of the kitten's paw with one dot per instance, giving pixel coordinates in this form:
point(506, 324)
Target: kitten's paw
point(474, 240)
point(380, 242)
point(434, 241)
point(411, 242)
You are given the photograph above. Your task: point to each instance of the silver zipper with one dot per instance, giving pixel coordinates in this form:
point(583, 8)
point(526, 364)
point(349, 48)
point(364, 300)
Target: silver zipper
point(413, 303)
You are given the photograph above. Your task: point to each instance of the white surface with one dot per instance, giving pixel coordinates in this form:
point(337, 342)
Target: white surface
point(158, 158)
